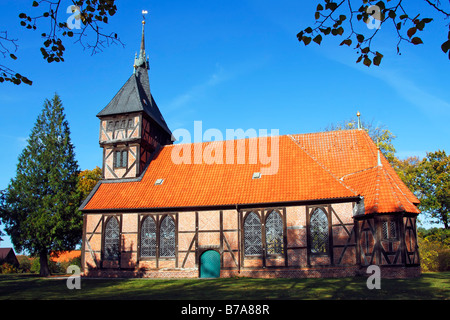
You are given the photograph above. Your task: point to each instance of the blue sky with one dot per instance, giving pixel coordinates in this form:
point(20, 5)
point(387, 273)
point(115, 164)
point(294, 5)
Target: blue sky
point(230, 64)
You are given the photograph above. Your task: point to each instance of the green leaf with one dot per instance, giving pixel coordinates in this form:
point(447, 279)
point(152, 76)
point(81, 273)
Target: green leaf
point(367, 62)
point(377, 60)
point(13, 56)
point(35, 4)
point(381, 5)
point(347, 42)
point(318, 39)
point(411, 32)
point(319, 7)
point(416, 41)
point(325, 31)
point(331, 5)
point(446, 46)
point(360, 38)
point(306, 40)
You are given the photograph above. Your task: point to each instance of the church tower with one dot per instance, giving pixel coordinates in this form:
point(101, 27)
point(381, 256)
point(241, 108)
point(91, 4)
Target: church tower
point(131, 125)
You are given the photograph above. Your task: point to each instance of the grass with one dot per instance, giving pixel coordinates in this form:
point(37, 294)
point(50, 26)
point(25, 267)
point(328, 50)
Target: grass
point(430, 286)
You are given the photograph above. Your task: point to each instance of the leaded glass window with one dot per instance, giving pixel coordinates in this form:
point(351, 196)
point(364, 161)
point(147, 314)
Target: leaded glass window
point(274, 233)
point(121, 159)
point(124, 158)
point(252, 235)
point(148, 238)
point(167, 238)
point(389, 230)
point(319, 232)
point(112, 239)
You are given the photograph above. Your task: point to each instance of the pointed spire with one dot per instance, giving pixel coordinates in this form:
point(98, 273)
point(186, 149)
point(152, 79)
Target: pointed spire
point(141, 60)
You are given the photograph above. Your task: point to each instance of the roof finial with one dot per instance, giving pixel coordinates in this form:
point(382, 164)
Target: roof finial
point(379, 153)
point(141, 60)
point(359, 120)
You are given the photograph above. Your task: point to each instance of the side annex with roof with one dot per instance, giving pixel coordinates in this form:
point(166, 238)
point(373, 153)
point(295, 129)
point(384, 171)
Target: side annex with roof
point(333, 207)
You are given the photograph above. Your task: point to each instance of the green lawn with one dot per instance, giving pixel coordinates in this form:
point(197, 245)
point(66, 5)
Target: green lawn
point(434, 286)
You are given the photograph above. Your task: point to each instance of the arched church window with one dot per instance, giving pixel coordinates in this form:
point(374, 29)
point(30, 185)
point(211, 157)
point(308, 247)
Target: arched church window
point(319, 232)
point(111, 239)
point(274, 233)
point(148, 238)
point(167, 237)
point(252, 235)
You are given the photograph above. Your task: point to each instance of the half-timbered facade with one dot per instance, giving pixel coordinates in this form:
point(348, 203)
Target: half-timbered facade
point(332, 207)
point(131, 125)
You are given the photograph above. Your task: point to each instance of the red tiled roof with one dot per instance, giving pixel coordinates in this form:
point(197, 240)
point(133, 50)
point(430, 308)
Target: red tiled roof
point(317, 166)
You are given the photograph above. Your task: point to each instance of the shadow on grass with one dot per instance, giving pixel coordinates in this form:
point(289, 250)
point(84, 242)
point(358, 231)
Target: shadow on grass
point(428, 286)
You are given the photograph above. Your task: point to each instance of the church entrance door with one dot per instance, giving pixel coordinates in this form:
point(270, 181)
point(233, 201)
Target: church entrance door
point(210, 264)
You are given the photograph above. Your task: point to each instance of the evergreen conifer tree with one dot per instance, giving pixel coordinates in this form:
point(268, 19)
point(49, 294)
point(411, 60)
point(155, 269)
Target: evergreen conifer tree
point(40, 206)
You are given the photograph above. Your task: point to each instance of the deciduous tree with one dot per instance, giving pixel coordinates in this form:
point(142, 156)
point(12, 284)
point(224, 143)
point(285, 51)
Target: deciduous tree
point(359, 22)
point(83, 21)
point(87, 179)
point(433, 186)
point(379, 134)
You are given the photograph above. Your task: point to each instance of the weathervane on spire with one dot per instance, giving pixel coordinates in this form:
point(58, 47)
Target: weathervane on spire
point(144, 12)
point(142, 60)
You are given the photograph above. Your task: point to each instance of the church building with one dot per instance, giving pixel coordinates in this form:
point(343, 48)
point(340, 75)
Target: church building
point(330, 205)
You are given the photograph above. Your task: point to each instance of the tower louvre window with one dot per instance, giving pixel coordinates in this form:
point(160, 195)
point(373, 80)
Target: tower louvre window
point(110, 126)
